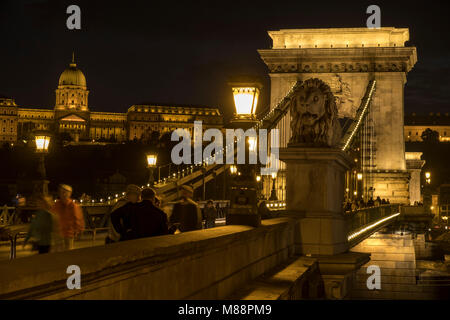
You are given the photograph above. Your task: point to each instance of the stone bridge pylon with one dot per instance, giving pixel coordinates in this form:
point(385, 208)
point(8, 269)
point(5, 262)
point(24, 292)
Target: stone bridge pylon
point(347, 59)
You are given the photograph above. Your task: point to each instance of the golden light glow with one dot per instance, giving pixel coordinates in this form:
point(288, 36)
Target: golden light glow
point(359, 176)
point(274, 175)
point(151, 159)
point(427, 175)
point(354, 235)
point(252, 144)
point(42, 142)
point(258, 178)
point(233, 169)
point(245, 100)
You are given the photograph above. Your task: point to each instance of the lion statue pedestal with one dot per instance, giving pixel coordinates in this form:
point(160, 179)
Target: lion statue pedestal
point(315, 182)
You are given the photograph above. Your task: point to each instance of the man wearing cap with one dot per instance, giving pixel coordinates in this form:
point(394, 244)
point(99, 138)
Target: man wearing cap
point(118, 221)
point(186, 212)
point(70, 216)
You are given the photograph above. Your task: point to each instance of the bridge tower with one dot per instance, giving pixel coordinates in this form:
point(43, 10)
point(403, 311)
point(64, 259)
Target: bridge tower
point(347, 59)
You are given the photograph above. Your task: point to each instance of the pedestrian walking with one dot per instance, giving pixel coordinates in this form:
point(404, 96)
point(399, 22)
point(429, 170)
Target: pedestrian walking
point(210, 215)
point(70, 216)
point(186, 212)
point(42, 225)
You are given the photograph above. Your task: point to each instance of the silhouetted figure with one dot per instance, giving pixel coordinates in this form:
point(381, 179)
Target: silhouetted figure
point(121, 219)
point(186, 212)
point(354, 206)
point(146, 219)
point(377, 202)
point(210, 215)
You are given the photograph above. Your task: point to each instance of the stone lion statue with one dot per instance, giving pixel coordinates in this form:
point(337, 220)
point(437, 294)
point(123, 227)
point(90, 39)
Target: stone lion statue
point(314, 116)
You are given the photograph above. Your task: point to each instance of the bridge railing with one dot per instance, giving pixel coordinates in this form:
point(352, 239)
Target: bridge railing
point(364, 221)
point(7, 215)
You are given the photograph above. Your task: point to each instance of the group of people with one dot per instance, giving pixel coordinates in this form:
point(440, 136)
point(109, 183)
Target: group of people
point(139, 215)
point(358, 204)
point(55, 224)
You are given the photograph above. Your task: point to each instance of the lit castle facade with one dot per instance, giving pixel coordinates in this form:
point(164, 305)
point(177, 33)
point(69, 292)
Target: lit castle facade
point(71, 115)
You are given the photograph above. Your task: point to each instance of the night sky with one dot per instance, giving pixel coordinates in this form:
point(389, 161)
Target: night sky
point(183, 52)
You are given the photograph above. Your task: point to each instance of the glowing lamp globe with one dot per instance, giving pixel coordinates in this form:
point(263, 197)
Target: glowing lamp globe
point(245, 100)
point(151, 159)
point(252, 144)
point(246, 90)
point(42, 142)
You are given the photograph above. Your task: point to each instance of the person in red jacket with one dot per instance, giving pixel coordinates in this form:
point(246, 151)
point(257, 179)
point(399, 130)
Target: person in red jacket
point(71, 220)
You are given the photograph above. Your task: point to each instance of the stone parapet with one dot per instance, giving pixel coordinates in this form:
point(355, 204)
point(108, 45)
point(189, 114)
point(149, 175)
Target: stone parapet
point(206, 264)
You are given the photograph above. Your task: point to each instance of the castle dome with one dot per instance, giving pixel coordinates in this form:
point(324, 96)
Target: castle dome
point(72, 76)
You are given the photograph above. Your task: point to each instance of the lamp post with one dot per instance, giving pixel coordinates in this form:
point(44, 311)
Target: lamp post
point(360, 186)
point(42, 141)
point(273, 193)
point(151, 164)
point(244, 187)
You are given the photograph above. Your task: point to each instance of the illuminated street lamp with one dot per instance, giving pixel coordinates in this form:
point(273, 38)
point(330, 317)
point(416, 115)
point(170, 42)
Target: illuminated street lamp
point(151, 164)
point(428, 177)
point(273, 193)
point(246, 97)
point(244, 187)
point(42, 141)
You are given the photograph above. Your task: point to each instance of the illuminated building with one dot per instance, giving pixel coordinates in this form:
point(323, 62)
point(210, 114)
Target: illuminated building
point(72, 116)
point(415, 125)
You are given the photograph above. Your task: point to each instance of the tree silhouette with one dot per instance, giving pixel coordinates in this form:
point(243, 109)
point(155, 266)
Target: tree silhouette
point(430, 136)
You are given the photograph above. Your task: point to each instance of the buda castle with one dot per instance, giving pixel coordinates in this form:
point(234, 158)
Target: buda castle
point(71, 115)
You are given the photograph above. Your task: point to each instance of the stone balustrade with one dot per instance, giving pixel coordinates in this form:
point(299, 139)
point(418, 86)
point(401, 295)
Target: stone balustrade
point(206, 264)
